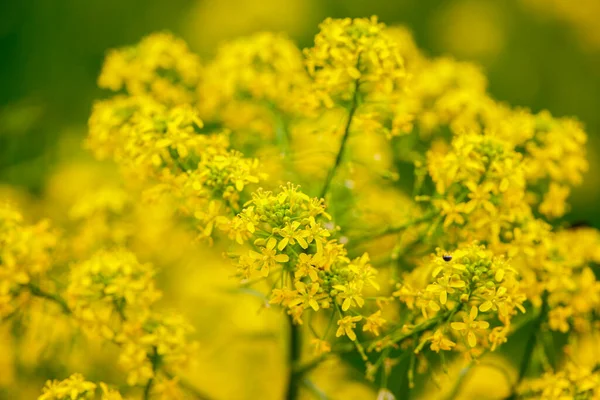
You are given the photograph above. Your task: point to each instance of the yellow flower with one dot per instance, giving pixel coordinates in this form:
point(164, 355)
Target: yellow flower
point(445, 285)
point(480, 197)
point(572, 381)
point(346, 326)
point(321, 346)
point(307, 267)
point(109, 393)
point(452, 212)
point(283, 296)
point(555, 201)
point(470, 327)
point(498, 336)
point(291, 235)
point(111, 283)
point(558, 318)
point(349, 294)
point(268, 257)
point(439, 341)
point(74, 387)
point(373, 323)
point(26, 255)
point(308, 297)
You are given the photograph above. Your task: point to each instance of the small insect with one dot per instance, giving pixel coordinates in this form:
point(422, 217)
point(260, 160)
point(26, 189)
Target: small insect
point(447, 257)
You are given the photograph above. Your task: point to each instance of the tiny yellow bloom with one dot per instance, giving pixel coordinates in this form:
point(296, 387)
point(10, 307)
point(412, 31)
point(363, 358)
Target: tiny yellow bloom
point(346, 326)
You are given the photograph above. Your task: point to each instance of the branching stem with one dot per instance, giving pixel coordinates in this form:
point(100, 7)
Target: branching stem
point(39, 292)
point(340, 153)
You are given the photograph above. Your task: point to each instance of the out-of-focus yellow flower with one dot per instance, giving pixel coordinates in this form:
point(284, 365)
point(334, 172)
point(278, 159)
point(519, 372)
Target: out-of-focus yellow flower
point(161, 66)
point(74, 387)
point(571, 382)
point(25, 256)
point(209, 23)
point(373, 323)
point(580, 18)
point(471, 29)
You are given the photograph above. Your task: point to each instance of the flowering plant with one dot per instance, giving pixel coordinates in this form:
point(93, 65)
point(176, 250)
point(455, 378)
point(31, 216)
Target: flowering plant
point(377, 198)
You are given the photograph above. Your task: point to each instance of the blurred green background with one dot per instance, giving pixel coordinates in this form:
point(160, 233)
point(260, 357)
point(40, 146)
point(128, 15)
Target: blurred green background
point(540, 54)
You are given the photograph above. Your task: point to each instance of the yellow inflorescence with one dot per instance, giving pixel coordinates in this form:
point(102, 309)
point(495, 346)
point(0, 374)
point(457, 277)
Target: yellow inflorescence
point(76, 387)
point(354, 55)
point(113, 295)
point(160, 66)
point(288, 232)
point(163, 145)
point(264, 68)
point(572, 382)
point(25, 257)
point(470, 299)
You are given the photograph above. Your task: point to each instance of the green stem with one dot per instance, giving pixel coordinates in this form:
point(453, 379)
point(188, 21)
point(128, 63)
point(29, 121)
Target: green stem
point(155, 360)
point(295, 346)
point(398, 228)
point(37, 291)
point(282, 134)
point(340, 153)
point(187, 386)
point(304, 368)
point(530, 346)
point(447, 316)
point(314, 389)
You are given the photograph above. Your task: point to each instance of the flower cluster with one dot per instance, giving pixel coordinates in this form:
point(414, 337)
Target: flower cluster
point(250, 73)
point(165, 146)
point(462, 299)
point(574, 290)
point(96, 219)
point(571, 382)
point(352, 55)
point(482, 182)
point(554, 161)
point(76, 387)
point(110, 288)
point(112, 295)
point(160, 66)
point(290, 237)
point(446, 95)
point(25, 257)
point(443, 92)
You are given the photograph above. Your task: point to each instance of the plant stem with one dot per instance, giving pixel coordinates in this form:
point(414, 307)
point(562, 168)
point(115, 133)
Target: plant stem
point(295, 346)
point(340, 153)
point(304, 368)
point(398, 228)
point(155, 360)
point(147, 388)
point(37, 291)
point(187, 386)
point(530, 346)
